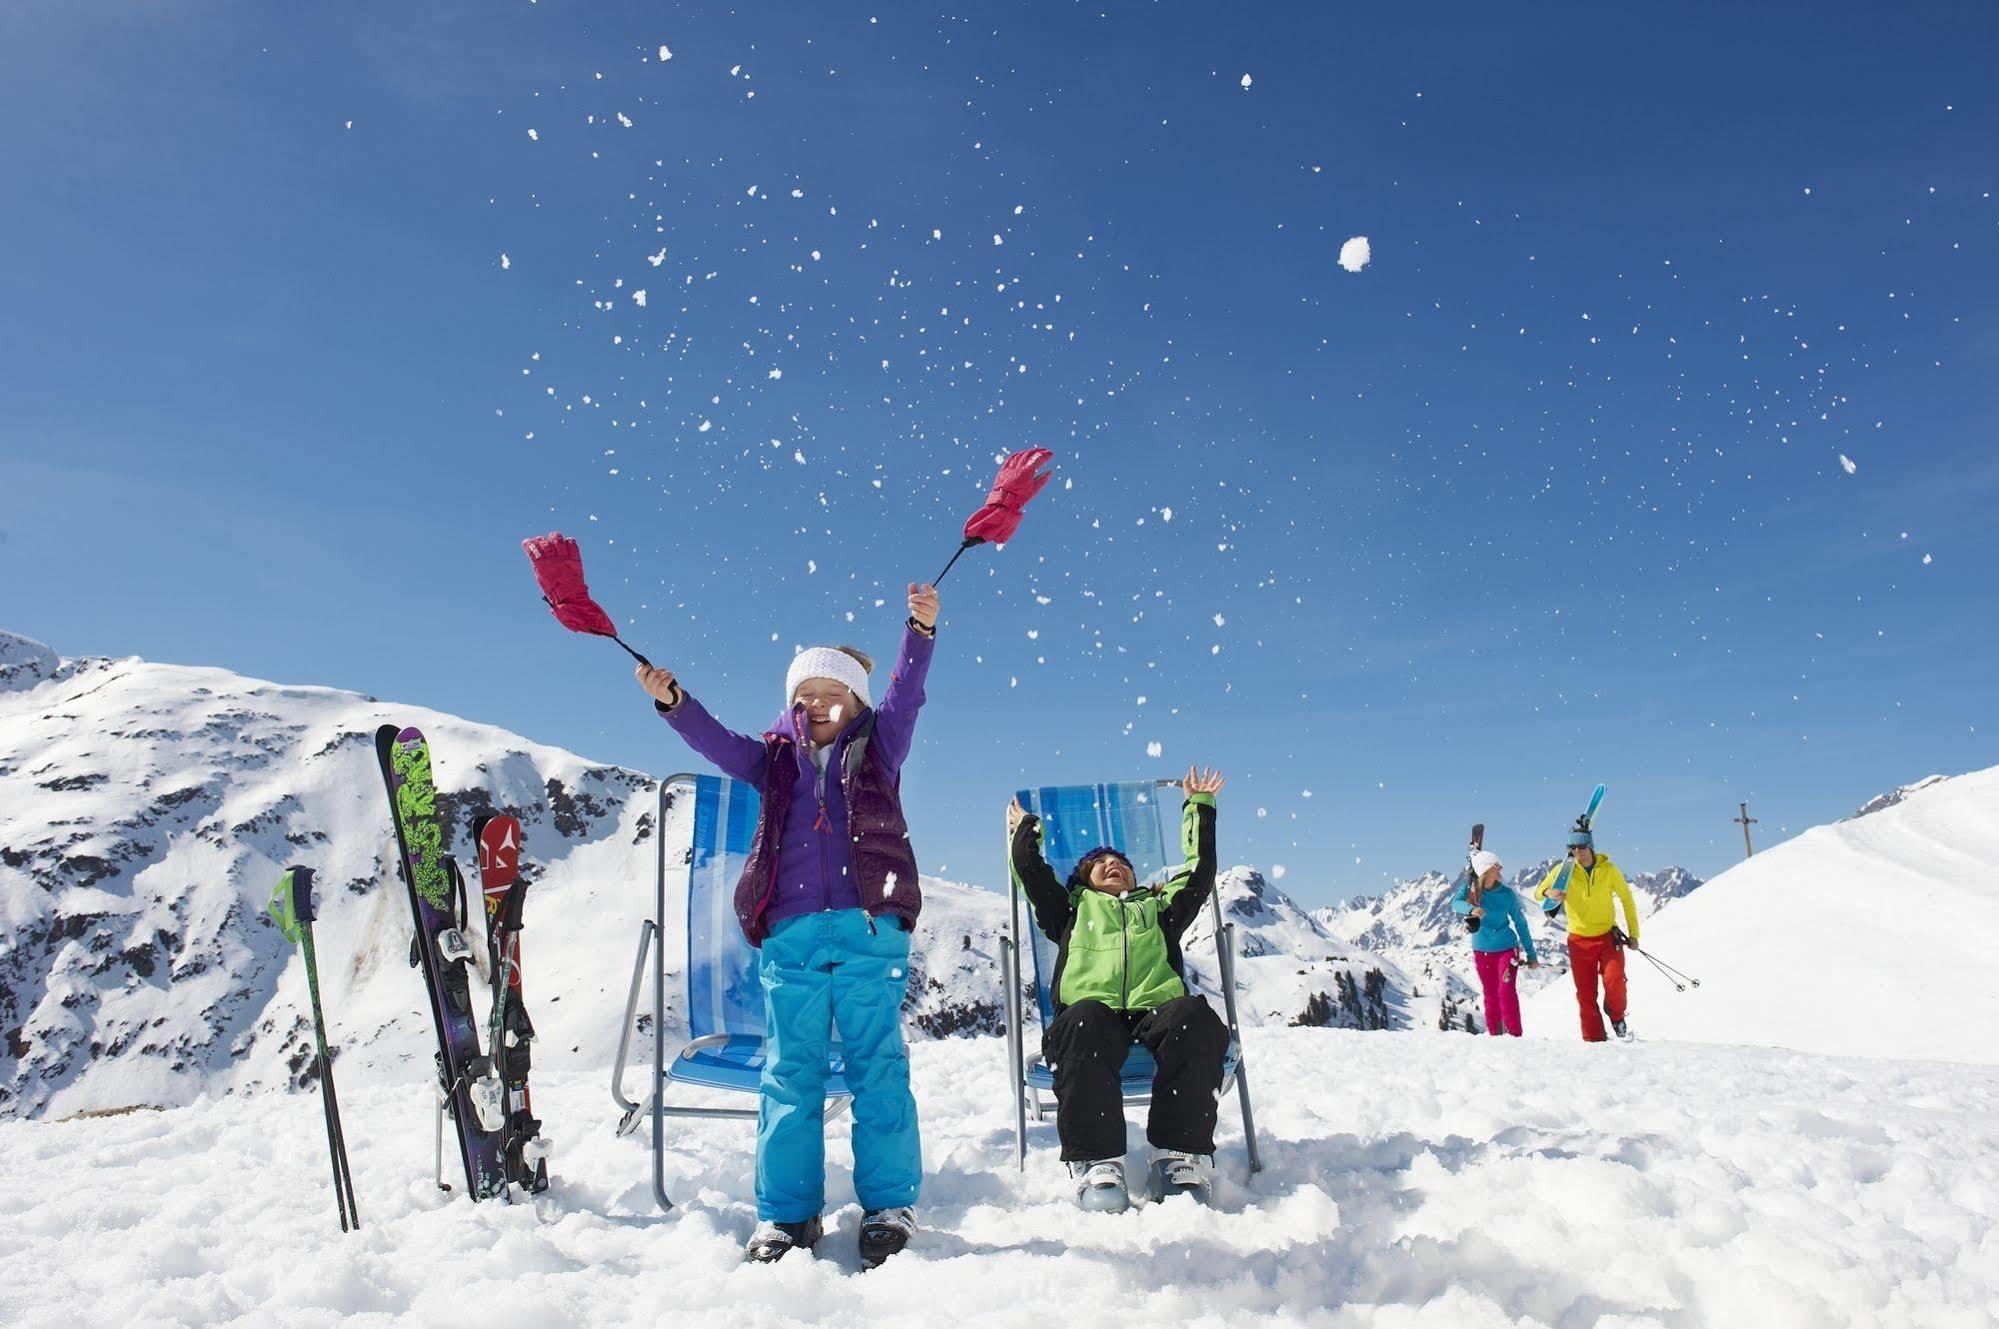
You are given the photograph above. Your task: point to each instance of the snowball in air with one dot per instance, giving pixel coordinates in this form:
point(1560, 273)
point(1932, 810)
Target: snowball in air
point(1846, 464)
point(1245, 82)
point(1355, 254)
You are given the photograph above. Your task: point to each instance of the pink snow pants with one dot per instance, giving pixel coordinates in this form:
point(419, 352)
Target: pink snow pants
point(1502, 998)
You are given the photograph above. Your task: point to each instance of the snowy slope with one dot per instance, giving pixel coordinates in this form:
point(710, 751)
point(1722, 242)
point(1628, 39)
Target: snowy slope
point(1869, 937)
point(151, 807)
point(1432, 1181)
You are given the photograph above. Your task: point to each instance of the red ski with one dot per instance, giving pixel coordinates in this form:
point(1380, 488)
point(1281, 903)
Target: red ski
point(511, 1033)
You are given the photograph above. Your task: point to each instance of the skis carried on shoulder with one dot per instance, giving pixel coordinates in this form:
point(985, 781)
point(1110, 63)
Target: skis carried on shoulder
point(469, 1090)
point(291, 909)
point(1583, 823)
point(509, 1032)
point(1470, 877)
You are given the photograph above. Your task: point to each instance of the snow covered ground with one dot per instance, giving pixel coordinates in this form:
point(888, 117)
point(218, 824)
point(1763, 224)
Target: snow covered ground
point(1410, 1180)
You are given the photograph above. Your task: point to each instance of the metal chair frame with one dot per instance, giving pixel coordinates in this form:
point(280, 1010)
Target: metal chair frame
point(1028, 1097)
point(660, 1109)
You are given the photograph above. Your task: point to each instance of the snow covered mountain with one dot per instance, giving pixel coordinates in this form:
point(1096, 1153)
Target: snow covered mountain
point(1411, 923)
point(152, 807)
point(1894, 796)
point(1866, 937)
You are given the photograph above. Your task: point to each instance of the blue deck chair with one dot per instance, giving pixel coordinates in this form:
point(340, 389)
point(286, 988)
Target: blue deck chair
point(725, 1009)
point(1074, 820)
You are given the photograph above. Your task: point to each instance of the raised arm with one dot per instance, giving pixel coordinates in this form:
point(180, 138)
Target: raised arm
point(1461, 897)
point(735, 754)
point(1031, 870)
point(1547, 884)
point(895, 716)
point(1187, 893)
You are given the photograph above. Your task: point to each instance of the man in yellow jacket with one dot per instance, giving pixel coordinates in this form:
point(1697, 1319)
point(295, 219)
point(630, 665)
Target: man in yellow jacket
point(1595, 946)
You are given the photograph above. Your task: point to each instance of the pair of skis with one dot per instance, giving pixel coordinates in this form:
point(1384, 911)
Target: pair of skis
point(1583, 823)
point(291, 909)
point(484, 1094)
point(508, 1031)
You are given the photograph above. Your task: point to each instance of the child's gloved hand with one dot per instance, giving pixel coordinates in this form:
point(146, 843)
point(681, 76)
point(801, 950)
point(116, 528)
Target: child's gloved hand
point(1015, 814)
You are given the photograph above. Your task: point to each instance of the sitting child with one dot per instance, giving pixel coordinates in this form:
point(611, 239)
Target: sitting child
point(1118, 980)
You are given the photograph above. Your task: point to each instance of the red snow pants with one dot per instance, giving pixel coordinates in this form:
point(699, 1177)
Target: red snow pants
point(1589, 957)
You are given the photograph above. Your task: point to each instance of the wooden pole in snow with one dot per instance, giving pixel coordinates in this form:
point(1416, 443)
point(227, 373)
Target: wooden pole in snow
point(1746, 821)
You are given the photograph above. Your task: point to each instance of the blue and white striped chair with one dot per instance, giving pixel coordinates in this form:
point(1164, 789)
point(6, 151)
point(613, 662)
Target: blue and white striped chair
point(1074, 820)
point(725, 1008)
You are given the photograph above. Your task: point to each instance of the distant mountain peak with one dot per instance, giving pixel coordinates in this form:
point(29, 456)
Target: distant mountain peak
point(1894, 796)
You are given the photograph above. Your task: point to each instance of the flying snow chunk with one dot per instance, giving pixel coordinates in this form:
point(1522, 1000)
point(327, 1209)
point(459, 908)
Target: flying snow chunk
point(1246, 80)
point(639, 299)
point(1355, 254)
point(1846, 464)
point(1153, 749)
point(665, 54)
point(506, 263)
point(775, 373)
point(1277, 871)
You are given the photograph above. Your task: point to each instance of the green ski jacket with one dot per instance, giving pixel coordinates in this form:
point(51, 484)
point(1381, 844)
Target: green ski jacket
point(1121, 950)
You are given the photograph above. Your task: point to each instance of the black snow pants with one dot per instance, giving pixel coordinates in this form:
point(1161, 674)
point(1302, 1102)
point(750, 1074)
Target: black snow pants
point(1087, 1044)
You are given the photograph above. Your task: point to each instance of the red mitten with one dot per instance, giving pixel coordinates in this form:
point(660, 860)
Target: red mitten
point(558, 570)
point(1012, 488)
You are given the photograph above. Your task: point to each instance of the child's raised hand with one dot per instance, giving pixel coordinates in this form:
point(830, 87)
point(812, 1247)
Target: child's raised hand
point(923, 605)
point(1202, 782)
point(659, 685)
point(1014, 813)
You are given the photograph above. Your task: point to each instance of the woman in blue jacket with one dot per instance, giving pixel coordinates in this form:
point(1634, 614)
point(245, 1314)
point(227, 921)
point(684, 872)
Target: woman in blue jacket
point(1499, 936)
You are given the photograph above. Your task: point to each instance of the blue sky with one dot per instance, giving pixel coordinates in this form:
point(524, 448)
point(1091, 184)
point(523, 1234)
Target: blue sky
point(1548, 493)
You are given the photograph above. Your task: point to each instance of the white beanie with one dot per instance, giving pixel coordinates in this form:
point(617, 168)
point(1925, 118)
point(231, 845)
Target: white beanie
point(1482, 861)
point(826, 662)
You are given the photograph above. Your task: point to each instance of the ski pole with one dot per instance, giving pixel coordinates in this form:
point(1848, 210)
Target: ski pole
point(1668, 970)
point(291, 910)
point(344, 1181)
point(955, 557)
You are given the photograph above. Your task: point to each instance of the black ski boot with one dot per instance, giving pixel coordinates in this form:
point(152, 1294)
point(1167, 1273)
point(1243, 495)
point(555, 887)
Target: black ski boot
point(771, 1242)
point(885, 1232)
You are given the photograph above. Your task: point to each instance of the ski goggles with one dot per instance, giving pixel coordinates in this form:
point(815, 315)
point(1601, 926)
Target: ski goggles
point(1581, 840)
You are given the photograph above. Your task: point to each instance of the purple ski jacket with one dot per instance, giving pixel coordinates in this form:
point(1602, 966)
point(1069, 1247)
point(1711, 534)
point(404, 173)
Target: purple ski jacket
point(831, 839)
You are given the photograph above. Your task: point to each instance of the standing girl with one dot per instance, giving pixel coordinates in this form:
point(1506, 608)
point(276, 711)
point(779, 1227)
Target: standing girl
point(1499, 935)
point(829, 896)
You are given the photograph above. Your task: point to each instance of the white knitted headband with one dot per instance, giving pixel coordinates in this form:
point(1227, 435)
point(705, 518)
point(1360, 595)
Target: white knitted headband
point(825, 662)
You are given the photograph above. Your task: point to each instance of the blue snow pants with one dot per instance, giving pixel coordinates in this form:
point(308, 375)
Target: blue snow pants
point(820, 971)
